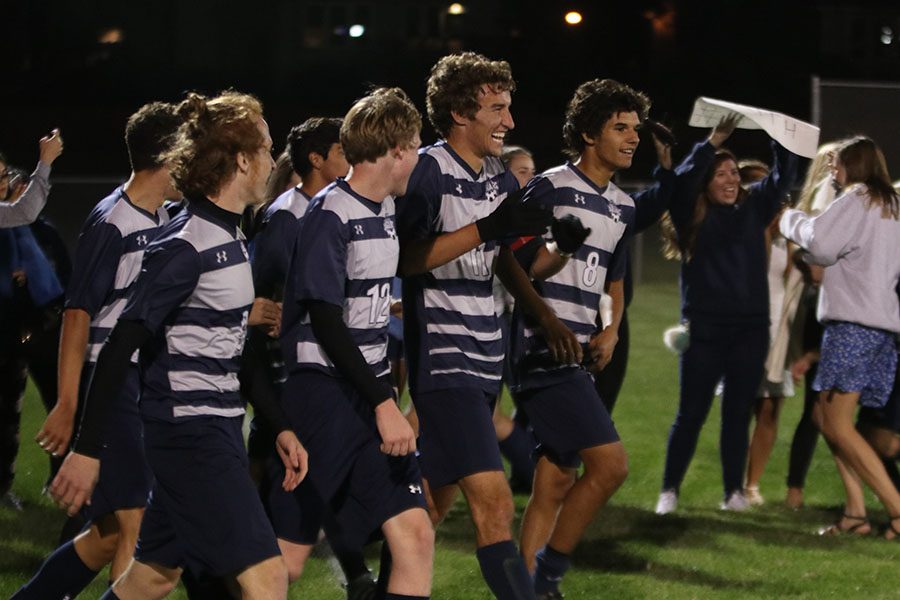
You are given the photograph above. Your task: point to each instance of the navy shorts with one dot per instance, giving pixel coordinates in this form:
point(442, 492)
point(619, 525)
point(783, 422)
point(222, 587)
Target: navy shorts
point(568, 417)
point(456, 434)
point(125, 478)
point(296, 516)
point(855, 358)
point(362, 486)
point(204, 512)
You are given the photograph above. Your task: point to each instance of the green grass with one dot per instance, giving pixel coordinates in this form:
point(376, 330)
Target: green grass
point(628, 552)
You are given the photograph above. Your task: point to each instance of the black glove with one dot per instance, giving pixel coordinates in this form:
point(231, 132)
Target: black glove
point(514, 217)
point(569, 234)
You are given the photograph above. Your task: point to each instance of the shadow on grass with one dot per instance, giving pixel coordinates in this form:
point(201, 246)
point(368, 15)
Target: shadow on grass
point(27, 536)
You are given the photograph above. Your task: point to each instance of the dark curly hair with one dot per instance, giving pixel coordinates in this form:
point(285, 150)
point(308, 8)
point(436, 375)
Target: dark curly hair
point(384, 119)
point(213, 132)
point(149, 133)
point(455, 83)
point(594, 103)
point(313, 135)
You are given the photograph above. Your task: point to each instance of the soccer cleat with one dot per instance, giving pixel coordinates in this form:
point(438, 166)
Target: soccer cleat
point(751, 493)
point(667, 503)
point(554, 595)
point(11, 500)
point(736, 502)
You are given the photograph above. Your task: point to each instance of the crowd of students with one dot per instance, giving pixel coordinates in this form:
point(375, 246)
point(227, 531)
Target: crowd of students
point(217, 275)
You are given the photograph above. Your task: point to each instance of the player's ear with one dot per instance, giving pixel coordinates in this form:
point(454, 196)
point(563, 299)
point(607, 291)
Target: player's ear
point(243, 162)
point(458, 119)
point(315, 159)
point(588, 140)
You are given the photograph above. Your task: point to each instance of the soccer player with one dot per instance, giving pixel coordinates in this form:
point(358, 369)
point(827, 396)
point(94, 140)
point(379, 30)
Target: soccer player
point(458, 204)
point(569, 419)
point(188, 313)
point(107, 261)
point(338, 395)
point(315, 154)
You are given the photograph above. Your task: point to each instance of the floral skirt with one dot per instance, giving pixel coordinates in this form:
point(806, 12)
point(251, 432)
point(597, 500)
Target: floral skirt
point(855, 358)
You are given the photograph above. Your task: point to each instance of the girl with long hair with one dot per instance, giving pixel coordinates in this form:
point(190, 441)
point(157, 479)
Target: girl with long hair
point(717, 229)
point(857, 240)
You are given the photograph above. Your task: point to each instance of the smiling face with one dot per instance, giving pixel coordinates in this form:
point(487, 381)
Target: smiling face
point(613, 148)
point(725, 183)
point(484, 134)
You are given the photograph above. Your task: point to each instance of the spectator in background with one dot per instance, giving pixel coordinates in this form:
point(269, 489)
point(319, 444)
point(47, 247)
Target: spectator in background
point(806, 332)
point(29, 205)
point(857, 240)
point(31, 295)
point(775, 385)
point(717, 230)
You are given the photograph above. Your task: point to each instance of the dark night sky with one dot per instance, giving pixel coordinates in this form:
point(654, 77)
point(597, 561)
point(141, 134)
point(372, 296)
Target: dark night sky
point(759, 52)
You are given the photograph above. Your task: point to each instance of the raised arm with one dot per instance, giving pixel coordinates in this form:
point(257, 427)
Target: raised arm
point(27, 208)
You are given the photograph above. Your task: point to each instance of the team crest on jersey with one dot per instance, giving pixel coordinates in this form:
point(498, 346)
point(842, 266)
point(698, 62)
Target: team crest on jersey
point(389, 229)
point(491, 189)
point(615, 213)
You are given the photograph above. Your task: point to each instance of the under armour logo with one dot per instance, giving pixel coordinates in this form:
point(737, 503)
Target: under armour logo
point(459, 188)
point(141, 240)
point(490, 190)
point(415, 489)
point(358, 229)
point(579, 199)
point(221, 257)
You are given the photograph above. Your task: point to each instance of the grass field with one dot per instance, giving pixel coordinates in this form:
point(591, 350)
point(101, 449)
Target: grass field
point(629, 552)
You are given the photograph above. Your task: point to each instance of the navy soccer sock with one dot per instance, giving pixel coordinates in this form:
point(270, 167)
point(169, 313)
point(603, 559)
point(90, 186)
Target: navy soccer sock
point(517, 448)
point(551, 566)
point(62, 575)
point(504, 571)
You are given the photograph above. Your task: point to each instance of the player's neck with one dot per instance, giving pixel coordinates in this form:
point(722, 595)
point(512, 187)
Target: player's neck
point(313, 183)
point(464, 151)
point(370, 180)
point(232, 197)
point(598, 173)
point(147, 189)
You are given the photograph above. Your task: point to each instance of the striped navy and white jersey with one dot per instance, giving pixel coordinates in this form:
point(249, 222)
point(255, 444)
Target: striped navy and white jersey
point(574, 293)
point(272, 247)
point(346, 255)
point(108, 258)
point(194, 294)
point(451, 330)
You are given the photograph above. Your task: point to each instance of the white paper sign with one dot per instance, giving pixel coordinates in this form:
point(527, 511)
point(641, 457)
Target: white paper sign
point(797, 136)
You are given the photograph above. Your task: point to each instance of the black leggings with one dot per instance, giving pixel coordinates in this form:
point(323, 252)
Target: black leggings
point(805, 436)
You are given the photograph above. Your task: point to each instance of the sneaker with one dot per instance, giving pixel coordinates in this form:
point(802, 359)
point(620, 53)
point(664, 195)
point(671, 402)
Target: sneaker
point(667, 503)
point(735, 502)
point(751, 493)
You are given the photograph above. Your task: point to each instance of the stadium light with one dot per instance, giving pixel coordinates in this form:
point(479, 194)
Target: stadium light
point(356, 31)
point(573, 17)
point(456, 9)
